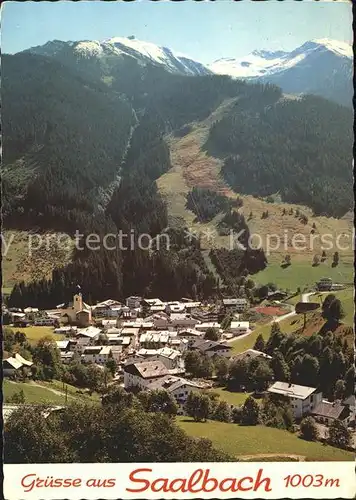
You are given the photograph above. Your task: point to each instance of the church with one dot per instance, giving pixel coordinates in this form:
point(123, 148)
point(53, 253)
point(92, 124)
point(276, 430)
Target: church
point(77, 312)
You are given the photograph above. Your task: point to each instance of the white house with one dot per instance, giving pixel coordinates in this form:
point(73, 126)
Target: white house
point(175, 307)
point(179, 388)
point(239, 304)
point(182, 320)
point(203, 327)
point(211, 348)
point(180, 344)
point(154, 340)
point(143, 374)
point(96, 354)
point(107, 308)
point(66, 330)
point(14, 364)
point(326, 413)
point(239, 327)
point(171, 358)
point(302, 399)
point(45, 321)
point(133, 302)
point(87, 336)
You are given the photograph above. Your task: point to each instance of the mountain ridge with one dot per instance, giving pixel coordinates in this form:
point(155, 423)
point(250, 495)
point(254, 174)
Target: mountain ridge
point(321, 67)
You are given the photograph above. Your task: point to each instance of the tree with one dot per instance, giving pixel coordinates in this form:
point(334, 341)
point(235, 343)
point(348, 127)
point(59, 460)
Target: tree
point(162, 401)
point(260, 344)
point(111, 365)
point(280, 367)
point(309, 371)
point(94, 377)
point(339, 435)
point(287, 260)
point(119, 397)
point(316, 261)
point(350, 381)
point(250, 412)
point(212, 334)
point(206, 367)
point(192, 360)
point(340, 389)
point(332, 309)
point(221, 369)
point(90, 433)
point(9, 339)
point(20, 338)
point(275, 339)
point(47, 354)
point(222, 412)
point(323, 256)
point(198, 406)
point(238, 375)
point(236, 414)
point(261, 376)
point(308, 429)
point(275, 413)
point(226, 322)
point(335, 259)
point(17, 397)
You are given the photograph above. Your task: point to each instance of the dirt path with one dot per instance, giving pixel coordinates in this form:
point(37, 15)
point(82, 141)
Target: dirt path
point(300, 458)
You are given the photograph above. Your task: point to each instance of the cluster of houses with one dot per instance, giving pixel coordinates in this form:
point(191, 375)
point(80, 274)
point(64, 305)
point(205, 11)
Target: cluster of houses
point(148, 339)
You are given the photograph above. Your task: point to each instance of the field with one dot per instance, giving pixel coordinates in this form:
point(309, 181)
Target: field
point(233, 398)
point(35, 333)
point(33, 393)
point(287, 325)
point(247, 441)
point(302, 274)
point(48, 392)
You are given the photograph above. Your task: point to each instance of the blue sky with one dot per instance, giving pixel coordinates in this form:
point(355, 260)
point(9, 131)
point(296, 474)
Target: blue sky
point(203, 30)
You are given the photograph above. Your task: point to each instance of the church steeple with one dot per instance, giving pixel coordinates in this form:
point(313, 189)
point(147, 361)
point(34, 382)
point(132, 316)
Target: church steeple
point(78, 300)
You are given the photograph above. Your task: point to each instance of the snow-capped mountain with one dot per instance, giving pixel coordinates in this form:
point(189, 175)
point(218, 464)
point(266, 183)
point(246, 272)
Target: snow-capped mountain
point(131, 49)
point(262, 62)
point(322, 67)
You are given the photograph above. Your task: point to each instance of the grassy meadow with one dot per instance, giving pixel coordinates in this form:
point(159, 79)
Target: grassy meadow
point(246, 441)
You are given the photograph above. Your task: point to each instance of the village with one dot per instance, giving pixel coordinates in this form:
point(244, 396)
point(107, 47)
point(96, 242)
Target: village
point(153, 345)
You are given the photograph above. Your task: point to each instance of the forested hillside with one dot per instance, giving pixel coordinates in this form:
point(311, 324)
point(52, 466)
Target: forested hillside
point(85, 141)
point(62, 139)
point(300, 148)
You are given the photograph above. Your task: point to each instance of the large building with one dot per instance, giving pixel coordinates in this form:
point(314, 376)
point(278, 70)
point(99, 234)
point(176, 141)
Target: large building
point(77, 312)
point(302, 399)
point(143, 374)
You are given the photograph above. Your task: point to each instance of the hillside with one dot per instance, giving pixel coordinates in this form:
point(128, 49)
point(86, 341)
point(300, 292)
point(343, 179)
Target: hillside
point(91, 147)
point(64, 138)
point(193, 167)
point(20, 263)
point(288, 148)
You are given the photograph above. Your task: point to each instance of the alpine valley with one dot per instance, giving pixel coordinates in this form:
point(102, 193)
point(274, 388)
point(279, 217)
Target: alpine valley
point(125, 135)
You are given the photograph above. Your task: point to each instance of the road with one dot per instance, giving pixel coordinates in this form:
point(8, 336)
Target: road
point(276, 319)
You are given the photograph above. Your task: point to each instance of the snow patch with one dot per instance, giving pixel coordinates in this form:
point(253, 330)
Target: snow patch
point(89, 49)
point(262, 62)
